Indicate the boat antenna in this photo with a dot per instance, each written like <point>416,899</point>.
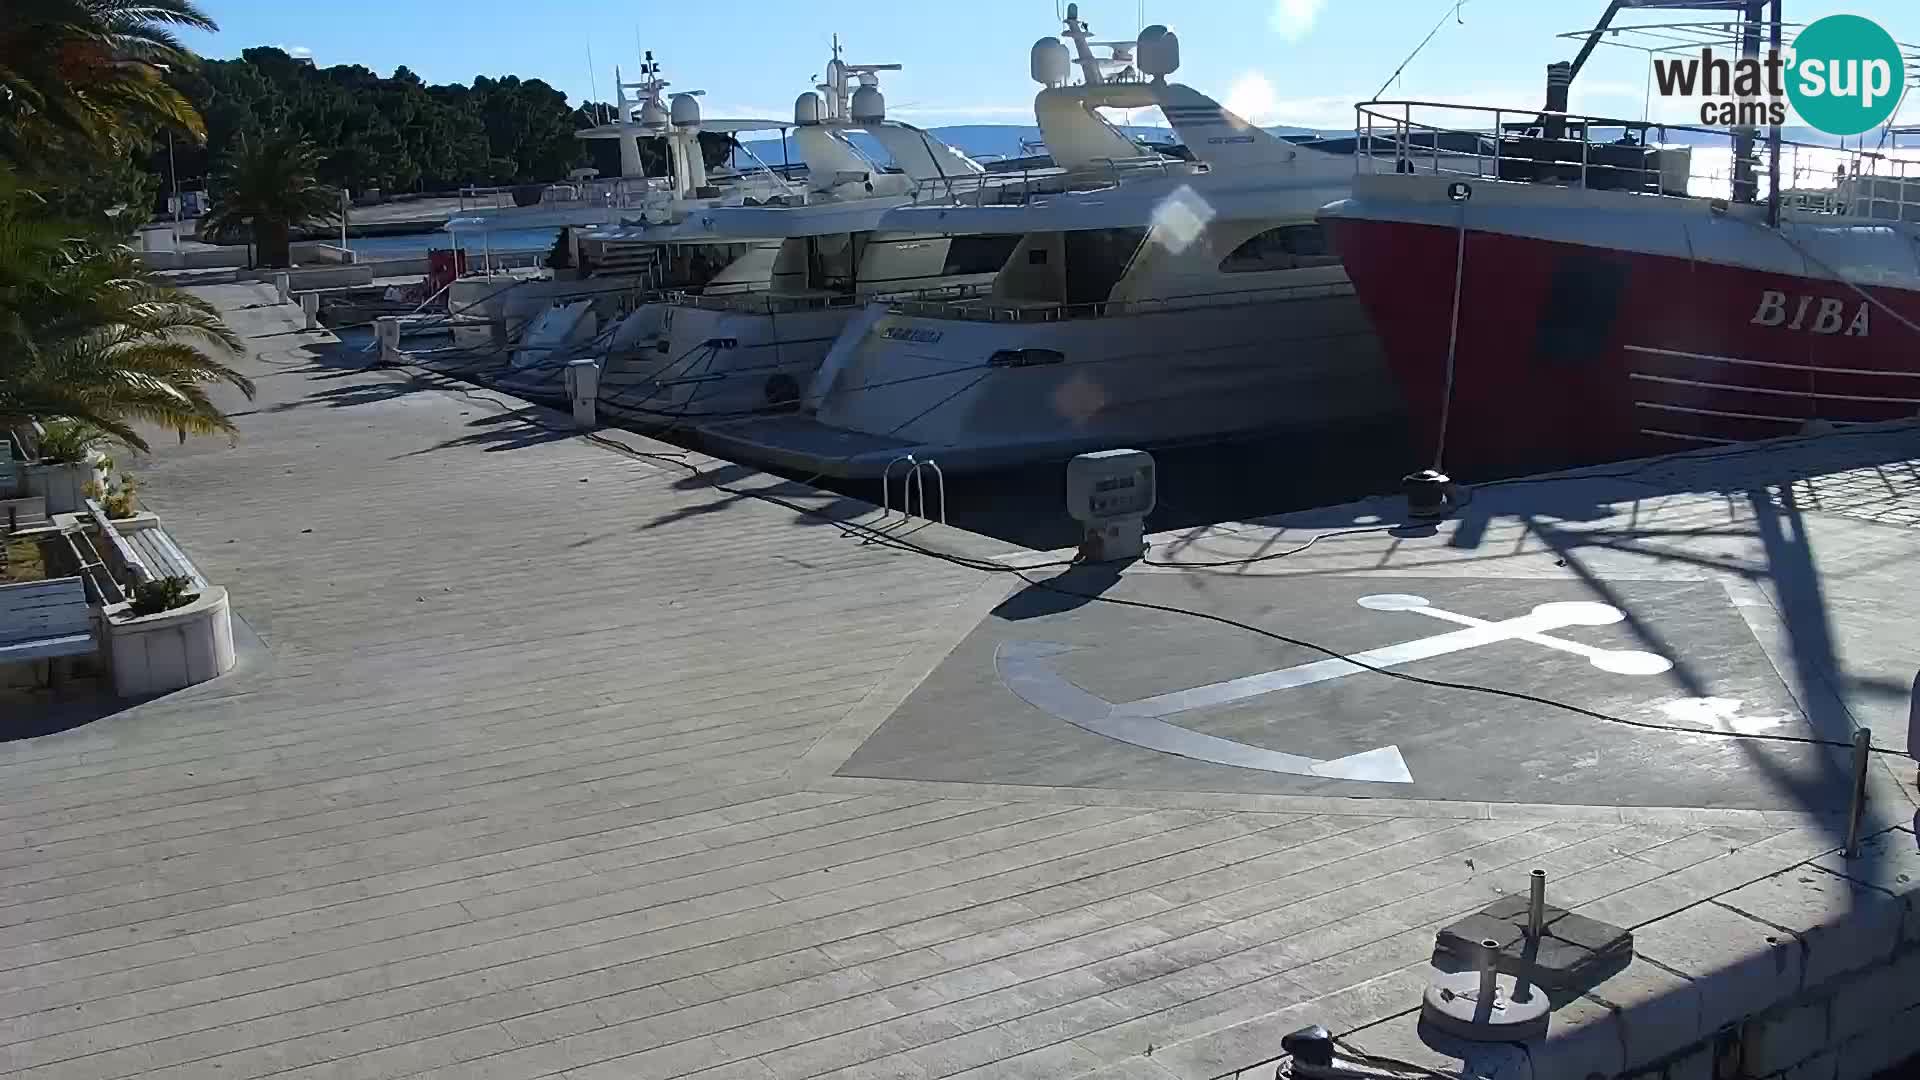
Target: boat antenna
<point>593,84</point>
<point>1453,9</point>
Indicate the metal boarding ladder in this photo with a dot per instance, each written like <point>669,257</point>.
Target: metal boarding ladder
<point>913,481</point>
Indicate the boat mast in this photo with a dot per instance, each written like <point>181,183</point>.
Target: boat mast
<point>1079,33</point>
<point>1773,139</point>
<point>1745,187</point>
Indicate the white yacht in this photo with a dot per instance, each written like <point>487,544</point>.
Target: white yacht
<point>1163,306</point>
<point>686,173</point>
<point>648,236</point>
<point>724,354</point>
<point>615,228</point>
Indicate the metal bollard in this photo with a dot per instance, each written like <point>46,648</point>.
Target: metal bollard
<point>1536,929</point>
<point>1489,981</point>
<point>310,307</point>
<point>1537,905</point>
<point>283,285</point>
<point>1913,720</point>
<point>1862,753</point>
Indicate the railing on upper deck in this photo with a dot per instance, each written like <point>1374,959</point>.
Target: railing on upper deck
<point>1018,189</point>
<point>988,311</point>
<point>758,303</point>
<point>626,192</point>
<point>1603,153</point>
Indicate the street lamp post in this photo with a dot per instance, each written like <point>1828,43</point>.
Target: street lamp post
<point>173,172</point>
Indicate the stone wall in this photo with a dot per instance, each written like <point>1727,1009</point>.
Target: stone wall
<point>1820,978</point>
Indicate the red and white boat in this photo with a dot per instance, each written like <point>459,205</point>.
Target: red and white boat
<point>1575,293</point>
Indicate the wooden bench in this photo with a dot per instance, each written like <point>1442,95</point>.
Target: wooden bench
<point>43,620</point>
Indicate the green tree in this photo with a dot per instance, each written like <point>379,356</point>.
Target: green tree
<point>395,133</point>
<point>270,184</point>
<point>93,71</point>
<point>86,335</point>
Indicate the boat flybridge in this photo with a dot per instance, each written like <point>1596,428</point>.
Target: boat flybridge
<point>732,351</point>
<point>1139,307</point>
<point>711,241</point>
<point>665,129</point>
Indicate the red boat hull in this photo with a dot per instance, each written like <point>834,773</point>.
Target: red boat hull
<point>1574,354</point>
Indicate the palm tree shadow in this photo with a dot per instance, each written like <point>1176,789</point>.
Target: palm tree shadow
<point>516,430</point>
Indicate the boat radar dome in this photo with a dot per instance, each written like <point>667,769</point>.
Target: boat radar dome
<point>686,111</point>
<point>1049,62</point>
<point>869,105</point>
<point>1159,50</point>
<point>653,114</point>
<point>806,109</point>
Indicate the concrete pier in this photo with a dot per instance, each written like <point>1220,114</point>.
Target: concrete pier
<point>562,761</point>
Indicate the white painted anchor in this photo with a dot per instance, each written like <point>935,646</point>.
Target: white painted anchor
<point>1024,669</point>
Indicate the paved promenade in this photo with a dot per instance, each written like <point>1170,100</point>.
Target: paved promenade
<point>556,761</point>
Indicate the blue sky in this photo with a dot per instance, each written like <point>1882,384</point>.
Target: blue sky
<point>1279,61</point>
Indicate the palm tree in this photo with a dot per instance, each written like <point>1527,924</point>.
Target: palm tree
<point>92,69</point>
<point>271,180</point>
<point>86,335</point>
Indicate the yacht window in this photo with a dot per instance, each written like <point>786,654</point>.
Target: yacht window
<point>691,266</point>
<point>833,261</point>
<point>1288,247</point>
<point>979,254</point>
<point>1096,261</point>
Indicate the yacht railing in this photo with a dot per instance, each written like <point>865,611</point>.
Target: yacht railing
<point>627,192</point>
<point>976,311</point>
<point>1603,153</point>
<point>762,303</point>
<point>1018,189</point>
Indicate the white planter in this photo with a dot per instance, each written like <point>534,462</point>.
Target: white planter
<point>64,486</point>
<point>156,654</point>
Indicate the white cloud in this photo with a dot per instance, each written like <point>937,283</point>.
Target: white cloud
<point>1293,19</point>
<point>300,52</point>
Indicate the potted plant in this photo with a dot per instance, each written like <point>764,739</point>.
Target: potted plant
<point>162,594</point>
<point>69,461</point>
<point>119,500</point>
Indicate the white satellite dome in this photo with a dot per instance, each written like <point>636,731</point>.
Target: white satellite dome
<point>652,114</point>
<point>869,105</point>
<point>806,109</point>
<point>1159,50</point>
<point>1049,63</point>
<point>686,110</point>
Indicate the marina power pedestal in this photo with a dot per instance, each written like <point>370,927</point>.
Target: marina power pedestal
<point>583,389</point>
<point>1110,493</point>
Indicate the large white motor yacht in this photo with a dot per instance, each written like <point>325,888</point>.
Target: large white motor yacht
<point>723,353</point>
<point>1162,307</point>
